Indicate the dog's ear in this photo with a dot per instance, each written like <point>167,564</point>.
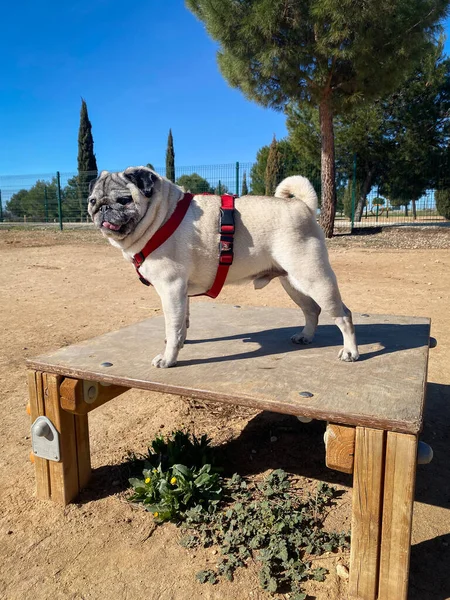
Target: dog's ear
<point>142,178</point>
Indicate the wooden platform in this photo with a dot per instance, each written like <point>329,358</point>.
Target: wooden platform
<point>244,356</point>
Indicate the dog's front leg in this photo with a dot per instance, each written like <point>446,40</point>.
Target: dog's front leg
<point>174,300</point>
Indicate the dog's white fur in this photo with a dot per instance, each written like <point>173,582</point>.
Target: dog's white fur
<point>275,237</point>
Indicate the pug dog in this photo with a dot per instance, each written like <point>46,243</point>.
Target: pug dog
<point>274,237</point>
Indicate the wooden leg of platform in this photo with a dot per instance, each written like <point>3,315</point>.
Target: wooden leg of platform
<point>60,481</point>
<point>383,496</point>
<point>366,513</point>
<point>63,474</point>
<point>37,409</point>
<point>399,483</point>
<point>83,450</point>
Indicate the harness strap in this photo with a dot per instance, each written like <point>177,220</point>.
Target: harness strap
<point>163,234</point>
<point>226,230</point>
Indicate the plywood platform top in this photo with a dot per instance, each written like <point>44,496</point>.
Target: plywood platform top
<point>243,355</point>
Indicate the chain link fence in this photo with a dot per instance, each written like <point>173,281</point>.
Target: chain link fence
<point>61,198</point>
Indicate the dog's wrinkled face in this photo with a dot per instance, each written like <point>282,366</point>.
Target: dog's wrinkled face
<point>118,201</point>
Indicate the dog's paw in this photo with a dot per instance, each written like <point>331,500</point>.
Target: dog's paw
<point>348,356</point>
<point>301,338</point>
<point>161,363</point>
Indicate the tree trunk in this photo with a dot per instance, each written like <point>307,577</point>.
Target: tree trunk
<point>328,207</point>
<point>363,195</point>
<point>414,210</point>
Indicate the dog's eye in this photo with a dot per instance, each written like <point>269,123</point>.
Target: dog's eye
<point>124,200</point>
<point>92,201</point>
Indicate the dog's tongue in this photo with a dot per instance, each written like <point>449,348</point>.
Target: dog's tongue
<point>111,226</point>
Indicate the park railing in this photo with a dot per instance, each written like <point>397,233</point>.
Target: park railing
<point>380,212</point>
<point>60,198</point>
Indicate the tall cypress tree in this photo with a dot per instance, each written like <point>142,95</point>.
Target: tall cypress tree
<point>273,167</point>
<point>244,185</point>
<point>87,163</point>
<point>170,158</point>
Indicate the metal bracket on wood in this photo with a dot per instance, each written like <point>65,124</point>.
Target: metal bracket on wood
<point>45,439</point>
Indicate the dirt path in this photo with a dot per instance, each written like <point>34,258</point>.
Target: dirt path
<point>57,289</point>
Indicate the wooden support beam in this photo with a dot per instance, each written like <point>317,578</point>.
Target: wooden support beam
<point>340,447</point>
<point>399,483</point>
<point>37,409</point>
<point>80,397</point>
<point>64,474</point>
<point>59,481</point>
<point>366,513</point>
<point>83,450</point>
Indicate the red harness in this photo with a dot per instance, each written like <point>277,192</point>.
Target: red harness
<point>226,230</point>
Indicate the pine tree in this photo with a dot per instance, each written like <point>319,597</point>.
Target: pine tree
<point>273,167</point>
<point>331,54</point>
<point>170,158</point>
<point>87,163</point>
<point>244,185</point>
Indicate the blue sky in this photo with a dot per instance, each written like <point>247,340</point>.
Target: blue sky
<point>142,67</point>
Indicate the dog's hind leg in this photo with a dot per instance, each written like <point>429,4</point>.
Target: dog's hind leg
<point>321,286</point>
<point>310,309</point>
<point>349,353</point>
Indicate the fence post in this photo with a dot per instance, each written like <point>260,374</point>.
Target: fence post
<point>237,179</point>
<point>220,188</point>
<point>1,208</point>
<point>353,190</point>
<point>45,205</point>
<point>58,187</point>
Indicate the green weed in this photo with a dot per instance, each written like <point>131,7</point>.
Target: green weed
<point>269,522</point>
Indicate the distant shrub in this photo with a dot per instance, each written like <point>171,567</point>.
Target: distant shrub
<point>442,198</point>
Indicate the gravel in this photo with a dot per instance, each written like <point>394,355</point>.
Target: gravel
<point>404,238</point>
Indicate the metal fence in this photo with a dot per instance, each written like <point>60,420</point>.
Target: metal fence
<point>380,212</point>
<point>60,198</point>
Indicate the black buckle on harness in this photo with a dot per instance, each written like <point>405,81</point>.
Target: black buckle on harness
<point>144,281</point>
<point>226,220</point>
<point>226,250</point>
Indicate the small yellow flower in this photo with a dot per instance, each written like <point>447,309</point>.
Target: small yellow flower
<point>147,480</point>
<point>173,480</point>
<point>155,514</point>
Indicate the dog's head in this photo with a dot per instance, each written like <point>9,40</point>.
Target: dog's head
<point>118,201</point>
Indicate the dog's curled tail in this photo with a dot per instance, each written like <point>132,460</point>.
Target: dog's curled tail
<point>299,187</point>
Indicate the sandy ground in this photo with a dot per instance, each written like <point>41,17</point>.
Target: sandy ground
<point>61,288</point>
